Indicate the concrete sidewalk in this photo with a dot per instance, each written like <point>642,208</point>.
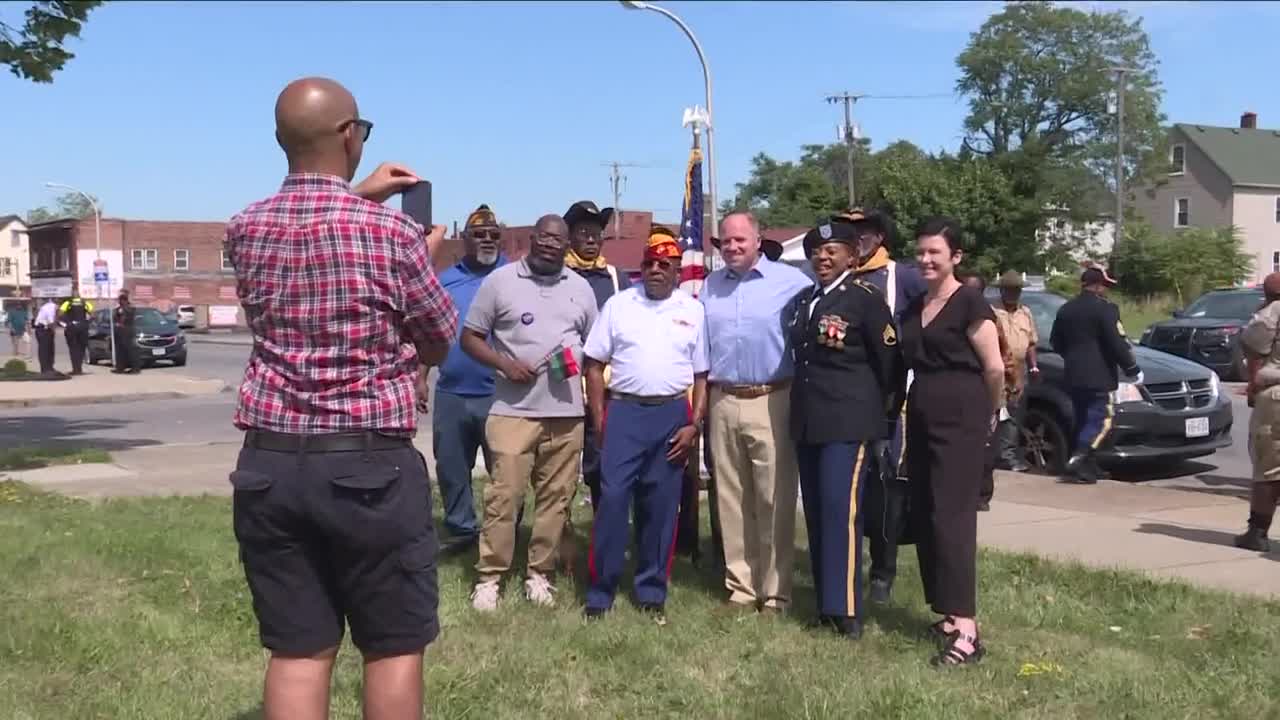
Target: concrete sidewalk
<point>242,339</point>
<point>100,385</point>
<point>1182,533</point>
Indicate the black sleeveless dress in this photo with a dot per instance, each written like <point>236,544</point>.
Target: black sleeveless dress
<point>948,423</point>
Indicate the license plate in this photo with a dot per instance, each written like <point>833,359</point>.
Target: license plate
<point>160,351</point>
<point>1197,427</point>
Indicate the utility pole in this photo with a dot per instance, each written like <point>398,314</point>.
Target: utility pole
<point>1120,72</point>
<point>850,137</point>
<point>616,181</point>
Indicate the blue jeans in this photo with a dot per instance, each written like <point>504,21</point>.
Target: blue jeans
<point>457,432</point>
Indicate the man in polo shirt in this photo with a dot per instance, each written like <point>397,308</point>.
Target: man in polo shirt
<point>528,321</point>
<point>464,389</point>
<point>655,339</point>
<point>749,416</point>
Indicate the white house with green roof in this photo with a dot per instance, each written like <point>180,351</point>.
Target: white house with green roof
<point>1221,176</point>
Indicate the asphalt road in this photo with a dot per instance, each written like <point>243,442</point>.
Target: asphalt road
<point>208,419</point>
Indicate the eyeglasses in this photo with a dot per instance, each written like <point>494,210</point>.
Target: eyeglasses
<point>364,125</point>
<point>660,263</point>
<point>548,238</point>
<point>485,234</point>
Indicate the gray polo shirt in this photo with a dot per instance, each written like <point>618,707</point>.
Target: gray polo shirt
<point>528,316</point>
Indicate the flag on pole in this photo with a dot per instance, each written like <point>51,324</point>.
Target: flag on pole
<point>692,270</point>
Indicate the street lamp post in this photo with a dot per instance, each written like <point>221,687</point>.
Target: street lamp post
<point>97,245</point>
<point>710,124</point>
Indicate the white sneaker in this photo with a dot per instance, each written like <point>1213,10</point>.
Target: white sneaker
<point>539,590</point>
<point>485,597</point>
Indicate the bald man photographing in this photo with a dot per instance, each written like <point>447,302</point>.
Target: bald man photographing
<point>332,507</point>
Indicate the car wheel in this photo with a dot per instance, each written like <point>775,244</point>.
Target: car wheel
<point>180,360</point>
<point>1044,441</point>
<point>1238,371</point>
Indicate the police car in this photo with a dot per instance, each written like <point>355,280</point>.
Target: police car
<point>158,337</point>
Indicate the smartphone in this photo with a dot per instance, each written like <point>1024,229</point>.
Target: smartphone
<point>415,202</point>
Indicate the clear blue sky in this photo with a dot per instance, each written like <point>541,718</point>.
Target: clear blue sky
<point>166,111</point>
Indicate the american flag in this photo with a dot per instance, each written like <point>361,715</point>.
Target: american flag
<point>691,268</point>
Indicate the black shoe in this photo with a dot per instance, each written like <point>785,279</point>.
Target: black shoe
<point>849,627</point>
<point>594,613</point>
<point>1019,467</point>
<point>1079,480</point>
<point>657,611</point>
<point>459,544</point>
<point>984,506</point>
<point>1253,539</point>
<point>1074,463</point>
<point>880,591</point>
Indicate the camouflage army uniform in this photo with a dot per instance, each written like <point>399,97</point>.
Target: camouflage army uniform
<point>1260,345</point>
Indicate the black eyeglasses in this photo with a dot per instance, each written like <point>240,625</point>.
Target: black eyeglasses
<point>660,263</point>
<point>486,234</point>
<point>360,123</point>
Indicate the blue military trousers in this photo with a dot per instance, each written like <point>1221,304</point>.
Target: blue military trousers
<point>634,467</point>
<point>831,483</point>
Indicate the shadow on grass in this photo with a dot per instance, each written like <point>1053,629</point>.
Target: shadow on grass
<point>254,714</point>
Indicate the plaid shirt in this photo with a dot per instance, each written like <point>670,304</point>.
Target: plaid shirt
<point>337,291</point>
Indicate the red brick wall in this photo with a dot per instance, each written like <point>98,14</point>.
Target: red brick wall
<point>204,281</point>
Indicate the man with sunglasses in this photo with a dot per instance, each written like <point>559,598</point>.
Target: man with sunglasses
<point>656,340</point>
<point>331,501</point>
<point>886,489</point>
<point>464,388</point>
<point>528,321</point>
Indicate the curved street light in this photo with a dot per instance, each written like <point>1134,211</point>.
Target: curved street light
<point>706,76</point>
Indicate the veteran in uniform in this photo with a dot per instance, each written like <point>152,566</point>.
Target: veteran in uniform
<point>655,340</point>
<point>845,402</point>
<point>1088,335</point>
<point>1259,343</point>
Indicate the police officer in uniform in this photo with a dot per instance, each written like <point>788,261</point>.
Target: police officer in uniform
<point>1088,335</point>
<point>845,402</point>
<point>75,323</point>
<point>887,496</point>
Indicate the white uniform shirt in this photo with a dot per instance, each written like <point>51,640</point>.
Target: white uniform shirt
<point>48,315</point>
<point>653,347</point>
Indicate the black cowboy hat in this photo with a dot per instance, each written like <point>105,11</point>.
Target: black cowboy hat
<point>584,210</point>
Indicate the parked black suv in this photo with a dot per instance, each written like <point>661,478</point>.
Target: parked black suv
<point>1178,412</point>
<point>1208,330</point>
<point>159,337</point>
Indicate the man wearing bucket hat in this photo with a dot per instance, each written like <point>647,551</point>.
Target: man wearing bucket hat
<point>1018,327</point>
<point>1088,335</point>
<point>886,496</point>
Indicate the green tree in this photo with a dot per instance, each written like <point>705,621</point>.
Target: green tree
<point>36,50</point>
<point>801,192</point>
<point>1199,259</point>
<point>1038,81</point>
<point>67,205</point>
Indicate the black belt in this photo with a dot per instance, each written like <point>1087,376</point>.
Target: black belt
<point>647,399</point>
<point>329,442</point>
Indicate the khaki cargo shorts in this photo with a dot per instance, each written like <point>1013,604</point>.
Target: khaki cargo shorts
<point>1264,435</point>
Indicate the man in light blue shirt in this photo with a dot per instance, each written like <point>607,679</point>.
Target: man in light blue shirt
<point>753,458</point>
<point>464,388</point>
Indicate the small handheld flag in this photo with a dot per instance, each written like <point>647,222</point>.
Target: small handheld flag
<point>561,364</point>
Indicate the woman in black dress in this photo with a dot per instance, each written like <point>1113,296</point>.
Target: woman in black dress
<point>949,340</point>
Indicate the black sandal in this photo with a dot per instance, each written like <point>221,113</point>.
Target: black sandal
<point>952,655</point>
<point>938,630</point>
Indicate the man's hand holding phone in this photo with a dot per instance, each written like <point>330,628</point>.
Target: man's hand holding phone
<point>386,180</point>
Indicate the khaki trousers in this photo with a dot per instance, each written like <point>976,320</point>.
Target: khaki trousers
<point>756,487</point>
<point>1264,435</point>
<point>546,451</point>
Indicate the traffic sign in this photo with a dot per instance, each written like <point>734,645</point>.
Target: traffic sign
<point>100,271</point>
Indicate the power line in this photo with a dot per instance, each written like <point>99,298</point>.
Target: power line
<point>616,181</point>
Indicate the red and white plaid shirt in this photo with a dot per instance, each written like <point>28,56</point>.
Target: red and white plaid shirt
<point>337,291</point>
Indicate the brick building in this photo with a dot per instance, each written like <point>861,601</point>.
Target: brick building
<point>161,264</point>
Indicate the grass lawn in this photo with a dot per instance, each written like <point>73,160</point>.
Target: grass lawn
<point>137,609</point>
<point>1137,314</point>
<point>38,457</point>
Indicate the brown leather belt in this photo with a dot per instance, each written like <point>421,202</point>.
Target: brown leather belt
<point>328,442</point>
<point>751,392</point>
<point>647,399</point>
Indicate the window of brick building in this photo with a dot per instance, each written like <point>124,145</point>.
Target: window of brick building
<point>144,259</point>
<point>181,260</point>
<point>226,262</point>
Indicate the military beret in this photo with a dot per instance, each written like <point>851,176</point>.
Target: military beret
<point>841,232</point>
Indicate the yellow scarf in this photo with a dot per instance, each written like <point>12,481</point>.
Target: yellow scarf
<point>878,259</point>
<point>575,262</point>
